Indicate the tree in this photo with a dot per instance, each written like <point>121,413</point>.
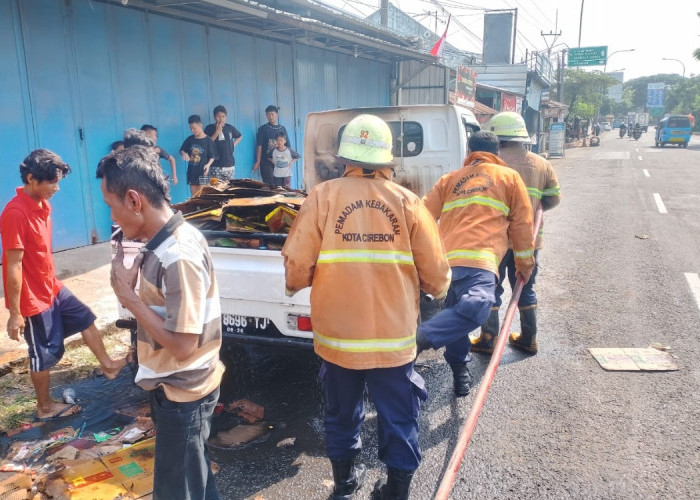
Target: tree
<point>684,98</point>
<point>585,91</point>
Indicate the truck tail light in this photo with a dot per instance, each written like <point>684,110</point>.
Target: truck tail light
<point>304,323</point>
<point>301,323</point>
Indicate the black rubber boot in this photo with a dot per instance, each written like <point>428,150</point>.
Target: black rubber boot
<point>395,487</point>
<point>348,479</point>
<point>489,333</point>
<point>527,339</point>
<point>462,378</point>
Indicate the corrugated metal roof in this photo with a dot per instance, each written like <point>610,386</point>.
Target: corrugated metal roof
<point>294,21</point>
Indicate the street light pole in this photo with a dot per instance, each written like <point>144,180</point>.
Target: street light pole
<point>677,60</point>
<point>605,67</point>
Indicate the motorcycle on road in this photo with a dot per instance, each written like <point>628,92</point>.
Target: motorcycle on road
<point>637,132</point>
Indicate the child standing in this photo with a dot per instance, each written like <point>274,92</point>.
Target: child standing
<point>282,158</point>
<point>199,153</point>
<point>152,132</point>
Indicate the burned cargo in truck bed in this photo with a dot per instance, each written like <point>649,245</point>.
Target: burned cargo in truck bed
<point>243,213</point>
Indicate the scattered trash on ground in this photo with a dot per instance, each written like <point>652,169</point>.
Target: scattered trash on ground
<point>247,410</point>
<point>50,463</point>
<point>287,442</point>
<point>633,359</point>
<point>240,435</point>
<point>642,236</point>
<point>69,396</point>
<point>300,460</point>
<point>660,347</point>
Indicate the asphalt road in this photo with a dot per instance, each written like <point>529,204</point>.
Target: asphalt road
<point>555,425</point>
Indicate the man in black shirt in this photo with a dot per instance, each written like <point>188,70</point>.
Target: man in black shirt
<point>199,153</point>
<point>225,137</point>
<point>266,142</point>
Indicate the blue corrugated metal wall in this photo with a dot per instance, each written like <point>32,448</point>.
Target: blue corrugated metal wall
<point>75,74</point>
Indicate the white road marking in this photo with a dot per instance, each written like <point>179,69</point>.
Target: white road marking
<point>612,155</point>
<point>660,204</point>
<point>646,172</point>
<point>694,283</point>
<point>639,157</point>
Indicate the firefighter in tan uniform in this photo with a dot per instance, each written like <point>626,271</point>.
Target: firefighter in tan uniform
<point>543,187</point>
<point>366,246</point>
<point>479,206</point>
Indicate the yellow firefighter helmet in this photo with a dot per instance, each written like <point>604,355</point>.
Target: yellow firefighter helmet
<point>366,142</point>
<point>508,126</point>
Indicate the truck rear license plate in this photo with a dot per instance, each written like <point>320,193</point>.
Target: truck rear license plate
<point>243,325</point>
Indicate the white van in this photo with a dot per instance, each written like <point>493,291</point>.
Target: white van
<point>429,141</point>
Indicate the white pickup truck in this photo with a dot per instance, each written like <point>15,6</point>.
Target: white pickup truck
<point>429,140</point>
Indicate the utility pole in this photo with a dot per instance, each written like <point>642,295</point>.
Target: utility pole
<point>580,25</point>
<point>560,75</point>
<point>515,35</point>
<point>553,34</point>
<point>550,45</point>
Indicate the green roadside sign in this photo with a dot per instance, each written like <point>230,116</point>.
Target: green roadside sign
<point>588,56</point>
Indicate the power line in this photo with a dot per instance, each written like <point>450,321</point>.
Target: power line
<point>534,2</point>
<point>457,21</point>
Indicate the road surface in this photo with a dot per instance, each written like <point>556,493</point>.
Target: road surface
<point>619,269</point>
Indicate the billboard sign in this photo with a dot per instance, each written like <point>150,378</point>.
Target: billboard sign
<point>557,135</point>
<point>508,102</point>
<point>588,56</point>
<point>655,95</point>
<point>616,91</point>
<point>465,91</point>
<point>498,36</point>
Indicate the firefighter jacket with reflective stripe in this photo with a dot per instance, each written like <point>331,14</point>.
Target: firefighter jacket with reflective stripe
<point>539,177</point>
<point>365,245</point>
<point>479,206</point>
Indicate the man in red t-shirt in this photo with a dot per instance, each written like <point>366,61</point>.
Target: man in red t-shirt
<point>39,304</point>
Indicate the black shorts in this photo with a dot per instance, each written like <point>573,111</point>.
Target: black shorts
<point>45,332</point>
<point>195,176</point>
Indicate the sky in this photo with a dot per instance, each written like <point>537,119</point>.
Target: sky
<point>654,29</point>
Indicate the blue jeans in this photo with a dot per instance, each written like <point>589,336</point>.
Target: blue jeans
<point>182,467</point>
<point>396,392</point>
<point>467,306</point>
<point>507,266</point>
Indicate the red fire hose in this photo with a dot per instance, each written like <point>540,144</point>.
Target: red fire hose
<point>466,434</point>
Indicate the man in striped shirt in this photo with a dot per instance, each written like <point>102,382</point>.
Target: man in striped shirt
<point>178,314</point>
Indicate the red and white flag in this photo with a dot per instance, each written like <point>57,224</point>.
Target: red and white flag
<point>440,44</point>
